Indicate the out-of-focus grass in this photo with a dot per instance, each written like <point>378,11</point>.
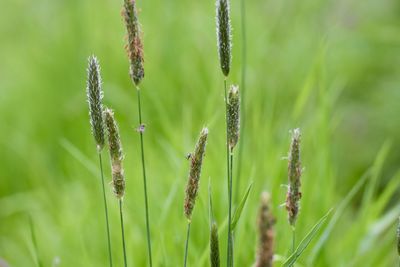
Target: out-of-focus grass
<point>329,67</point>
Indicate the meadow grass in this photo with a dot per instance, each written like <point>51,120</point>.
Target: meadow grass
<point>327,67</point>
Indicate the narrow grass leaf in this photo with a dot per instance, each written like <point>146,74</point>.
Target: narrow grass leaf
<point>239,209</point>
<point>306,241</point>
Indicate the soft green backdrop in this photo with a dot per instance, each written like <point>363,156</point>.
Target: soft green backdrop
<point>331,68</point>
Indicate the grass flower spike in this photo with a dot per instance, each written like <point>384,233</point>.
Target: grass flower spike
<point>224,35</point>
<point>294,175</point>
<point>265,223</point>
<point>95,96</point>
<point>116,154</point>
<point>134,47</point>
<point>214,246</point>
<point>233,116</point>
<point>196,160</point>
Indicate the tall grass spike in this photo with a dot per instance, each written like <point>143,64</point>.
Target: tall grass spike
<point>265,222</point>
<point>214,246</point>
<point>294,174</point>
<point>95,95</point>
<point>116,154</point>
<point>233,115</point>
<point>224,37</point>
<point>196,161</point>
<point>134,47</point>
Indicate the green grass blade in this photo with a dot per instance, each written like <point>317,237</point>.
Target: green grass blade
<point>239,209</point>
<point>306,241</point>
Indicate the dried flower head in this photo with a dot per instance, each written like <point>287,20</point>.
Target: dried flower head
<point>233,116</point>
<point>116,154</point>
<point>266,233</point>
<point>294,175</point>
<point>95,96</point>
<point>224,35</point>
<point>214,246</point>
<point>398,238</point>
<point>196,160</point>
<point>134,47</point>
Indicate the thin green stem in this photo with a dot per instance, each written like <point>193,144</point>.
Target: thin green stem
<point>105,209</point>
<point>228,258</point>
<point>35,246</point>
<point>122,232</point>
<point>293,238</point>
<point>186,244</point>
<point>230,208</point>
<point>242,92</point>
<point>141,130</point>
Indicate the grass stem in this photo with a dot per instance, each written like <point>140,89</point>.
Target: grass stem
<point>141,130</point>
<point>293,239</point>
<point>230,208</point>
<point>105,209</point>
<point>122,232</point>
<point>186,244</point>
<point>229,181</point>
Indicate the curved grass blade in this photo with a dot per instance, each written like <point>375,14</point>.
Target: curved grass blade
<point>239,209</point>
<point>306,241</point>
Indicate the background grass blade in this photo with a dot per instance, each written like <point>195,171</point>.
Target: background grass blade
<point>239,209</point>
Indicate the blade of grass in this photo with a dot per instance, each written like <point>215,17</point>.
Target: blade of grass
<point>239,209</point>
<point>306,241</point>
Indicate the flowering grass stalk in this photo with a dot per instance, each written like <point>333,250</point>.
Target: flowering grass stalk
<point>192,187</point>
<point>294,174</point>
<point>117,170</point>
<point>134,49</point>
<point>95,96</point>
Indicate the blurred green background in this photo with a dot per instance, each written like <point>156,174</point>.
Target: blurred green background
<point>331,68</point>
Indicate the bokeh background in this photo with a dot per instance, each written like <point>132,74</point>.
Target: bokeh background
<point>331,68</point>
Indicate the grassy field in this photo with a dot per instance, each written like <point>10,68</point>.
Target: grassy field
<point>331,68</point>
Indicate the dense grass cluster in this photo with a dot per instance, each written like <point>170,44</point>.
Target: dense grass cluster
<point>310,65</point>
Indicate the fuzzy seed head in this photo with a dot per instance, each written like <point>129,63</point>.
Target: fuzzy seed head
<point>95,95</point>
<point>398,238</point>
<point>214,246</point>
<point>294,174</point>
<point>134,46</point>
<point>266,233</point>
<point>116,154</point>
<point>224,38</point>
<point>233,116</point>
<point>196,161</point>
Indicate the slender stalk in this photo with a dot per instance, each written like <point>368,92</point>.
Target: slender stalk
<point>293,239</point>
<point>122,232</point>
<point>187,244</point>
<point>35,246</point>
<point>141,130</point>
<point>229,180</point>
<point>230,208</point>
<point>243,90</point>
<point>105,209</point>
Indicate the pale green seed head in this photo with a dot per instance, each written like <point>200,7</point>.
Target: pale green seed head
<point>94,96</point>
<point>233,116</point>
<point>224,38</point>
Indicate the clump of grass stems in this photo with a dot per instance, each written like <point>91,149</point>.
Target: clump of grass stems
<point>192,187</point>
<point>134,49</point>
<point>294,174</point>
<point>224,44</point>
<point>95,95</point>
<point>266,234</point>
<point>117,170</point>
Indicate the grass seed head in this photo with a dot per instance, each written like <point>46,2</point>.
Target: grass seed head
<point>265,222</point>
<point>233,116</point>
<point>134,46</point>
<point>224,37</point>
<point>294,174</point>
<point>196,160</point>
<point>116,154</point>
<point>214,246</point>
<point>95,95</point>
